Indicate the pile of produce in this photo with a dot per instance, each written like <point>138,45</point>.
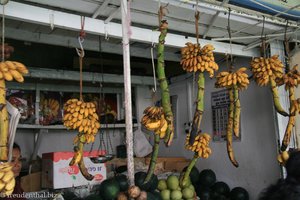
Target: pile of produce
<point>170,189</point>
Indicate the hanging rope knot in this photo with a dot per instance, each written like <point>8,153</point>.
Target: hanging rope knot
<point>82,33</point>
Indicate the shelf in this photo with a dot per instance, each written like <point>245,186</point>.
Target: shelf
<point>34,126</point>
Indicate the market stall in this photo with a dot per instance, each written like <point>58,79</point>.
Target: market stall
<point>160,99</point>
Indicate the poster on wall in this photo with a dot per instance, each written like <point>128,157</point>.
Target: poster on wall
<point>220,108</point>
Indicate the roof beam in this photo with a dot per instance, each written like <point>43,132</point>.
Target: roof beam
<point>37,15</point>
<point>86,76</point>
<point>88,44</point>
<point>272,24</point>
<point>100,8</point>
<point>213,20</point>
<point>112,15</point>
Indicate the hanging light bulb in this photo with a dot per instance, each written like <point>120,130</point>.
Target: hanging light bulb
<point>3,2</point>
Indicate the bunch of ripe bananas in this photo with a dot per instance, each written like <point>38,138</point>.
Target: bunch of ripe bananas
<point>290,79</point>
<point>83,117</point>
<point>196,59</point>
<point>154,120</point>
<point>7,179</point>
<point>50,106</point>
<point>265,69</point>
<point>200,145</point>
<point>10,70</point>
<point>283,157</point>
<point>229,79</point>
<point>295,108</point>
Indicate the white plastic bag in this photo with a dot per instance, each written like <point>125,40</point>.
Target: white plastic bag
<point>142,147</point>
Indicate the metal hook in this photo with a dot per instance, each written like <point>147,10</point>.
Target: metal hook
<point>80,51</point>
<point>106,33</point>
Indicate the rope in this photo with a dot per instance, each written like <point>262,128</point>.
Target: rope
<point>287,48</point>
<point>263,39</point>
<point>82,33</point>
<point>230,41</point>
<point>153,68</point>
<point>3,31</point>
<point>197,14</point>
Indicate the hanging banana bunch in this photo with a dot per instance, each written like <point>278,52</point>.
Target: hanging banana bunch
<point>196,59</point>
<point>268,71</point>
<point>291,80</point>
<point>7,179</point>
<point>81,116</point>
<point>201,149</point>
<point>154,120</point>
<point>234,82</point>
<point>9,71</point>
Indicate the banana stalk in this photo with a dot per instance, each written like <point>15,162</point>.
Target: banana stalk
<point>230,129</point>
<point>4,123</point>
<point>81,164</point>
<point>153,158</point>
<point>199,109</point>
<point>237,112</point>
<point>184,180</point>
<point>277,104</point>
<point>291,123</point>
<point>165,94</point>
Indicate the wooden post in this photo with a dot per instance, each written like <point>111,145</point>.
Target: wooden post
<point>127,87</point>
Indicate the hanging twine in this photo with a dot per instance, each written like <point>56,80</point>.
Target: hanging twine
<point>197,14</point>
<point>231,68</point>
<point>287,48</point>
<point>3,31</point>
<point>263,39</point>
<point>80,53</point>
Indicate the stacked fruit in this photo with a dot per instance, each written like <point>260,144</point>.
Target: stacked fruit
<point>200,145</point>
<point>290,79</point>
<point>10,70</point>
<point>7,179</point>
<point>196,59</point>
<point>154,120</point>
<point>50,107</point>
<point>265,69</point>
<point>228,79</point>
<point>170,189</point>
<point>81,116</point>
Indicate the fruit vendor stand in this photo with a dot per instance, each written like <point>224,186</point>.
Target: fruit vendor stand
<point>148,99</point>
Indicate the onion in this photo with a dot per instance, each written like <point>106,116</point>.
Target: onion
<point>134,191</point>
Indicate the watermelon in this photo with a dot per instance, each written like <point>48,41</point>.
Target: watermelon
<point>123,182</point>
<point>109,189</point>
<point>67,195</point>
<point>93,197</point>
<point>239,193</point>
<point>207,177</point>
<point>154,195</point>
<point>139,179</point>
<point>203,192</point>
<point>194,175</point>
<point>220,188</point>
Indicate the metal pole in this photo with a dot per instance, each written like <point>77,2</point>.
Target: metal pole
<point>127,88</point>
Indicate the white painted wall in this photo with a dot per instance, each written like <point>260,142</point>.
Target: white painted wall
<point>256,152</point>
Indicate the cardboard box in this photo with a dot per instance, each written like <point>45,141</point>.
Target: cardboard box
<point>31,182</point>
<point>57,173</point>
